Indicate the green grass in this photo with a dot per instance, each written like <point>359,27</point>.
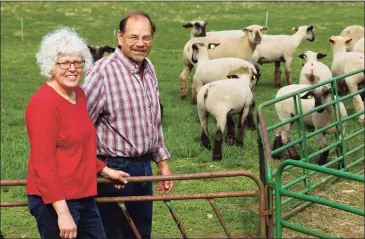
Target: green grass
<point>96,21</point>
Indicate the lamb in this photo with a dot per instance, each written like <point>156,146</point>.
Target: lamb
<point>322,117</point>
<point>97,51</point>
<point>346,62</point>
<point>355,33</point>
<point>236,47</point>
<point>313,71</point>
<point>217,69</point>
<point>281,48</point>
<point>359,45</point>
<point>223,99</point>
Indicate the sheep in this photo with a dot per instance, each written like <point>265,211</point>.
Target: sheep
<point>217,69</point>
<point>359,45</point>
<point>236,47</point>
<point>281,48</point>
<point>285,109</point>
<point>97,51</point>
<point>313,71</point>
<point>355,33</point>
<point>345,62</point>
<point>222,99</point>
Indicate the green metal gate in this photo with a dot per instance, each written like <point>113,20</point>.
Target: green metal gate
<point>304,179</point>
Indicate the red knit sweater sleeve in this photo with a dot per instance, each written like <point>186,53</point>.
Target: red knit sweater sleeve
<point>43,123</point>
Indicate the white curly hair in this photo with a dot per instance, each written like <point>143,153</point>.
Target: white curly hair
<point>61,41</point>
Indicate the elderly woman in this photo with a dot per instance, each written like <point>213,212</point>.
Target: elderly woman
<point>62,169</point>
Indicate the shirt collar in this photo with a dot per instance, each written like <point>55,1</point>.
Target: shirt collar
<point>130,65</point>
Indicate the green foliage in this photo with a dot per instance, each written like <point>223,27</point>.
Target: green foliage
<point>96,21</point>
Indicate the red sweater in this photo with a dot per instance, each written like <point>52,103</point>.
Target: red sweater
<point>62,161</point>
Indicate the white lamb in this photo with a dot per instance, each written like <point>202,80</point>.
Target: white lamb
<point>285,109</point>
<point>223,99</point>
<point>359,45</point>
<point>346,62</point>
<point>355,33</point>
<point>313,71</point>
<point>281,48</point>
<point>236,47</point>
<point>217,69</point>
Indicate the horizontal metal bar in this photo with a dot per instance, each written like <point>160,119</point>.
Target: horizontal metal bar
<point>305,230</point>
<point>135,179</point>
<point>322,201</point>
<point>157,197</point>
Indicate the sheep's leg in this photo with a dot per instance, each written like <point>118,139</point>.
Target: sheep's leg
<point>204,138</point>
<point>230,130</point>
<point>357,101</point>
<point>184,78</point>
<point>278,143</point>
<point>288,70</point>
<point>250,119</point>
<point>277,80</point>
<point>285,135</point>
<point>241,126</point>
<point>218,141</point>
<point>323,158</point>
<point>195,87</point>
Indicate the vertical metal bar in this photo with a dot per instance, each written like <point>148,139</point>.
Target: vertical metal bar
<point>130,221</point>
<point>177,220</point>
<point>220,217</point>
<point>307,181</point>
<point>278,225</point>
<point>337,109</point>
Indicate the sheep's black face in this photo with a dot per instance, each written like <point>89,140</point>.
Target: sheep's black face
<point>322,95</point>
<point>310,35</point>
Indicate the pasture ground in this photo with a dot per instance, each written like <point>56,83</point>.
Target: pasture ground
<point>96,21</point>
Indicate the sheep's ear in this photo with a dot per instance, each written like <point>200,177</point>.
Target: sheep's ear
<point>294,29</point>
<point>109,49</point>
<point>321,55</point>
<point>245,30</point>
<point>264,29</point>
<point>205,23</point>
<point>211,46</point>
<point>303,56</point>
<point>92,49</point>
<point>347,39</point>
<point>233,76</point>
<point>187,25</point>
<point>307,95</point>
<point>254,77</point>
<point>310,28</point>
<point>332,39</point>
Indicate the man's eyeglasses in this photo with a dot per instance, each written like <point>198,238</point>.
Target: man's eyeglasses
<point>67,64</point>
<point>135,39</point>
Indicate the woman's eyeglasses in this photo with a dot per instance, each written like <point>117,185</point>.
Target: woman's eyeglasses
<point>67,64</point>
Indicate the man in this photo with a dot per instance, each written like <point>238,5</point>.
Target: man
<point>123,102</point>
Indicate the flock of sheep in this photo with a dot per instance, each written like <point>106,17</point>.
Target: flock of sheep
<point>227,70</point>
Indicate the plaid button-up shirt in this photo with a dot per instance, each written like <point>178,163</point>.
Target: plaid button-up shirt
<point>123,104</point>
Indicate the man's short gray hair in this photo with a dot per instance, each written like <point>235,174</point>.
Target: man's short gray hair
<point>61,41</point>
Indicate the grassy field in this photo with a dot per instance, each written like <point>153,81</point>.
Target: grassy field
<point>96,22</point>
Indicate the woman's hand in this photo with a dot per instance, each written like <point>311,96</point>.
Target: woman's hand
<point>116,175</point>
<point>67,226</point>
<point>66,223</point>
